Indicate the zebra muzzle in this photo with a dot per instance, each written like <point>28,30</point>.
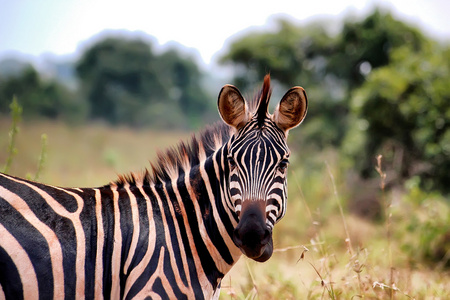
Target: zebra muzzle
<point>252,235</point>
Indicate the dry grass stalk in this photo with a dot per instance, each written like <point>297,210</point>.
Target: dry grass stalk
<point>388,217</point>
<point>348,241</point>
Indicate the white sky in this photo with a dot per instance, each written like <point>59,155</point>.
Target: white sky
<point>58,26</point>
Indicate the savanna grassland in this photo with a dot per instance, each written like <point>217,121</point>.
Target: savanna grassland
<point>324,249</point>
<point>83,155</point>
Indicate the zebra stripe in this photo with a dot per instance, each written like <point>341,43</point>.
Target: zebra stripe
<point>170,233</point>
<point>18,257</point>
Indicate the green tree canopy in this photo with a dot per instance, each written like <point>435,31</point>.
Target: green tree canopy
<point>44,98</point>
<point>403,112</point>
<point>118,78</point>
<point>125,81</point>
<point>329,67</point>
<point>291,54</point>
<point>184,77</point>
<point>365,45</point>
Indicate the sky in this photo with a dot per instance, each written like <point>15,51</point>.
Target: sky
<point>62,27</point>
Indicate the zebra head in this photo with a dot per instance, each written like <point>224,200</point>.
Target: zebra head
<point>258,158</point>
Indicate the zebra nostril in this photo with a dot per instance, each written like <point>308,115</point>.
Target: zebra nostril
<point>266,238</point>
<point>251,237</point>
<point>237,238</point>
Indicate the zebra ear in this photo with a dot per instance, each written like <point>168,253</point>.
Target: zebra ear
<point>232,107</point>
<point>292,109</point>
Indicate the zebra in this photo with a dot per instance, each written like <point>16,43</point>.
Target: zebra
<point>169,233</point>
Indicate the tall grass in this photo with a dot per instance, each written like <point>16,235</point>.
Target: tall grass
<point>333,254</point>
<point>16,116</point>
<point>388,219</point>
<point>42,156</point>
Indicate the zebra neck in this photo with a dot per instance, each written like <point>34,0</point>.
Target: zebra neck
<point>198,199</point>
<point>186,213</point>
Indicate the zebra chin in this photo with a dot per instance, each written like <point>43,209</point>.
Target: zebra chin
<point>259,252</point>
<point>265,253</point>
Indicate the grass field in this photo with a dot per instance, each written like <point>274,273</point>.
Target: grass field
<point>83,156</point>
<point>321,250</point>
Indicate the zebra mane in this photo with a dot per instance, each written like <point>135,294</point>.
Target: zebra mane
<point>260,104</point>
<point>175,160</point>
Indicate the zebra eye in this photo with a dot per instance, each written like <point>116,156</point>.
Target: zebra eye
<point>231,162</point>
<point>282,166</point>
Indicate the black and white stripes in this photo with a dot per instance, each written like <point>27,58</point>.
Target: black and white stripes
<point>171,233</point>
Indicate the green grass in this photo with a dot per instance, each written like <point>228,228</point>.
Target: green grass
<point>322,251</point>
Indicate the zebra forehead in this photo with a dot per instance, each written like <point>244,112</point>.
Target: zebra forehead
<point>268,138</point>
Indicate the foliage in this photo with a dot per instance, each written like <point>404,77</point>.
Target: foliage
<point>330,67</point>
<point>291,54</point>
<point>184,78</point>
<point>121,79</point>
<point>311,56</point>
<point>424,235</point>
<point>125,81</point>
<point>40,98</point>
<point>405,107</point>
<point>378,86</point>
<point>366,45</point>
<point>117,78</point>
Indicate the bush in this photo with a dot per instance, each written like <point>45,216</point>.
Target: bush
<point>424,229</point>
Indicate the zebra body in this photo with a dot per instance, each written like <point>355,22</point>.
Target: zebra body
<point>170,233</point>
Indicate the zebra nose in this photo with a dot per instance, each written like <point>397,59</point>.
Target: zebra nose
<point>250,237</point>
<point>252,234</point>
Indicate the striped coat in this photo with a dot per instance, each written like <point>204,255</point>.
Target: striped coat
<point>171,232</point>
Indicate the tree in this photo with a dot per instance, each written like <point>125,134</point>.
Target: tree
<point>329,67</point>
<point>118,79</point>
<point>291,54</point>
<point>38,97</point>
<point>405,113</point>
<point>365,45</point>
<point>125,81</point>
<point>182,74</point>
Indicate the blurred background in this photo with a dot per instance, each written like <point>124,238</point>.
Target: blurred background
<point>92,89</point>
